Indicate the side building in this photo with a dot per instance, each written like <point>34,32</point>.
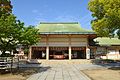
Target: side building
<point>108,48</point>
<point>63,41</point>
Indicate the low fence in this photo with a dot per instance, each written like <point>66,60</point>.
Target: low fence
<point>8,63</point>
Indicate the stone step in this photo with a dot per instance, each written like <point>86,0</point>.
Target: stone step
<point>81,61</point>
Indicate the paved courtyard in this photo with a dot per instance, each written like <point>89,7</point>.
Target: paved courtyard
<point>59,71</point>
<point>64,70</point>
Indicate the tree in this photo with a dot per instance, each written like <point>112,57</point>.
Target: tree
<point>106,14</point>
<point>5,7</point>
<point>13,33</point>
<point>29,36</point>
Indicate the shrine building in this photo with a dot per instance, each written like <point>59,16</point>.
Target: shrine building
<point>63,41</point>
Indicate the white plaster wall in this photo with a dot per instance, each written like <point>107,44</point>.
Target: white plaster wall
<point>112,53</point>
<point>119,56</point>
<point>104,57</point>
<point>58,39</point>
<point>79,39</point>
<point>58,44</point>
<point>78,44</point>
<point>61,41</point>
<point>112,56</point>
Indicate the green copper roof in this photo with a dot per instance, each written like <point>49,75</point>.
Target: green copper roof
<point>62,28</point>
<point>105,41</point>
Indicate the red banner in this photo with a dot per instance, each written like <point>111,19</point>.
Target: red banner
<point>78,48</point>
<point>38,48</point>
<point>58,48</point>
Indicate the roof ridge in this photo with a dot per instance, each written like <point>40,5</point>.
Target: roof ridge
<point>59,23</point>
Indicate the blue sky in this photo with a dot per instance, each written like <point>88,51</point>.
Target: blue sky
<point>32,12</point>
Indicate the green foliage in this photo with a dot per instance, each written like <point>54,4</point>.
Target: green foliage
<point>29,36</point>
<point>13,33</point>
<point>5,7</point>
<point>106,15</point>
<point>9,32</point>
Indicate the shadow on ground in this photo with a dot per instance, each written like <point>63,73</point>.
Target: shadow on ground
<point>27,69</point>
<point>114,68</point>
<point>109,64</point>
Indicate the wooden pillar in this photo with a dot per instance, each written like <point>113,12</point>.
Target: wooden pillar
<point>47,53</point>
<point>117,53</point>
<point>87,48</point>
<point>30,53</point>
<point>87,53</point>
<point>47,47</point>
<point>69,52</point>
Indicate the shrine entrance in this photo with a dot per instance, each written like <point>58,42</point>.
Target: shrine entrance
<point>78,53</point>
<point>58,53</point>
<point>39,52</point>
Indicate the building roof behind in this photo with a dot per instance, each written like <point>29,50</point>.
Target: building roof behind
<point>62,28</point>
<point>105,41</point>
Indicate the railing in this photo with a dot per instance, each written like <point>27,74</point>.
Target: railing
<point>7,63</point>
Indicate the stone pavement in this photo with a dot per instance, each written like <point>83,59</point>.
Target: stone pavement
<point>59,71</point>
